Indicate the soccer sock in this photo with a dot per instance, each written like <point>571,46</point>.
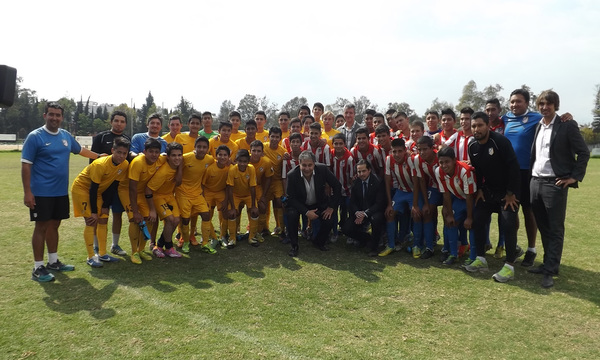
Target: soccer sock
<point>205,227</point>
<point>116,238</point>
<point>52,258</point>
<point>213,234</point>
<point>429,234</point>
<point>267,216</point>
<point>232,225</point>
<point>161,241</point>
<point>253,226</point>
<point>185,233</point>
<point>37,264</point>
<point>532,249</point>
<point>193,224</point>
<point>262,222</point>
<point>223,224</point>
<point>101,233</point>
<point>134,237</point>
<point>88,237</point>
<point>391,233</point>
<point>168,245</point>
<point>278,212</point>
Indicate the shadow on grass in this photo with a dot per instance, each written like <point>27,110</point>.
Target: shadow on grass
<point>72,295</point>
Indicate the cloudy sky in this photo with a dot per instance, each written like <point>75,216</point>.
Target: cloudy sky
<point>210,51</point>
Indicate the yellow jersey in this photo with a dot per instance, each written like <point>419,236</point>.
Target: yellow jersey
<point>276,157</point>
<point>215,142</point>
<point>241,181</point>
<point>193,172</point>
<point>168,138</point>
<point>142,172</point>
<point>236,136</point>
<point>263,136</point>
<point>186,141</point>
<point>215,178</point>
<point>263,169</point>
<point>162,182</point>
<point>103,172</point>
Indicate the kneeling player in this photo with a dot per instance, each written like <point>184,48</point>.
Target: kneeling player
<point>93,190</point>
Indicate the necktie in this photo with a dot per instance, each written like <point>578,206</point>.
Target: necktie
<point>365,191</point>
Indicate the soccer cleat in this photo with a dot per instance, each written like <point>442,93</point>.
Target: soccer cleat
<point>232,243</point>
<point>416,252</point>
<point>504,274</point>
<point>476,266</point>
<point>450,260</point>
<point>427,254</point>
<point>260,237</point>
<point>528,259</point>
<point>59,266</point>
<point>107,258</point>
<point>499,253</point>
<point>519,252</point>
<point>467,262</point>
<point>116,249</point>
<point>488,247</point>
<point>208,249</point>
<point>388,250</point>
<point>172,253</point>
<point>444,255</point>
<point>224,243</point>
<point>253,242</point>
<point>333,239</point>
<point>158,252</point>
<point>180,243</point>
<point>185,248</point>
<point>94,262</point>
<point>193,240</point>
<point>135,258</point>
<point>41,274</point>
<point>277,231</point>
<point>144,256</point>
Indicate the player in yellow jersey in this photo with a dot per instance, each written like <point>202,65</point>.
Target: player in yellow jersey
<point>224,138</point>
<point>275,153</point>
<point>159,192</point>
<point>132,196</point>
<point>93,190</point>
<point>241,191</point>
<point>236,120</point>
<point>328,130</point>
<point>284,124</point>
<point>261,119</point>
<point>245,142</point>
<point>214,183</point>
<point>189,195</point>
<point>264,175</point>
<point>188,140</point>
<point>174,128</point>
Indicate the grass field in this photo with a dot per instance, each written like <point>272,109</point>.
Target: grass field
<point>257,303</point>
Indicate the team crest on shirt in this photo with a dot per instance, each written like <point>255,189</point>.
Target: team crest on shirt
<point>260,169</point>
<point>369,157</point>
<point>491,151</point>
<point>278,157</point>
<point>65,143</point>
<point>119,171</point>
<point>525,119</point>
<point>247,176</point>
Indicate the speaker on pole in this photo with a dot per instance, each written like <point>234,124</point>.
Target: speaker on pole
<point>8,84</point>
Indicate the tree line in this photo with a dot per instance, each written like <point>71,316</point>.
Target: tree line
<point>84,118</point>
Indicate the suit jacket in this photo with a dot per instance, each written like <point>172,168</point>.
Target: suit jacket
<point>296,190</point>
<point>375,197</point>
<point>565,142</point>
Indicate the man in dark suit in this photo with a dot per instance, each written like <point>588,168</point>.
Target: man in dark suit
<point>559,158</point>
<point>307,195</point>
<point>367,205</point>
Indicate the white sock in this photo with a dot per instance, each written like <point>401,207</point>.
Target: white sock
<point>512,268</point>
<point>482,259</point>
<point>37,264</point>
<point>531,250</point>
<point>52,258</point>
<point>116,239</point>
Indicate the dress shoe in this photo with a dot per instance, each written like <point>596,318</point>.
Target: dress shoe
<point>548,281</point>
<point>536,270</point>
<point>293,252</point>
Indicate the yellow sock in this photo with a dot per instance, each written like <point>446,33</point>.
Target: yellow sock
<point>88,237</point>
<point>193,224</point>
<point>267,216</point>
<point>262,222</point>
<point>185,233</point>
<point>232,227</point>
<point>101,234</point>
<point>278,217</point>
<point>253,225</point>
<point>205,227</point>
<point>134,236</point>
<point>223,224</point>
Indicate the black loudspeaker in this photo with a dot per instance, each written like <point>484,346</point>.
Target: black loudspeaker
<point>8,84</point>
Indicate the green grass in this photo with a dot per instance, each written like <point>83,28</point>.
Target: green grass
<point>257,303</point>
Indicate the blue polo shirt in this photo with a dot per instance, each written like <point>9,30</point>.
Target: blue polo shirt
<point>49,155</point>
<point>520,130</point>
<point>138,141</point>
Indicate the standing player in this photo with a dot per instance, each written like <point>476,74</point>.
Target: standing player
<point>316,146</point>
<point>284,123</point>
<point>93,191</point>
<point>261,120</point>
<point>103,144</point>
<point>241,191</point>
<point>492,109</point>
<point>432,119</point>
<point>224,138</point>
<point>295,128</point>
<point>207,130</point>
<point>154,124</point>
<point>244,143</point>
<point>175,126</point>
<point>328,130</point>
<point>275,153</point>
<point>366,150</point>
<point>45,177</point>
<point>264,175</point>
<point>160,192</point>
<point>318,110</point>
<point>416,131</point>
<point>403,125</point>
<point>343,168</point>
<point>188,140</point>
<point>236,121</point>
<point>448,122</point>
<point>214,183</point>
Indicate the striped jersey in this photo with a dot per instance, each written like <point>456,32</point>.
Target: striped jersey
<point>344,169</point>
<point>322,153</point>
<point>401,173</point>
<point>460,143</point>
<point>460,184</point>
<point>426,171</point>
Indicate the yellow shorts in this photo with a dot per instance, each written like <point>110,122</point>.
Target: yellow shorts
<point>214,198</point>
<point>275,190</point>
<point>81,206</point>
<point>165,206</point>
<point>241,201</point>
<point>189,206</point>
<point>142,204</point>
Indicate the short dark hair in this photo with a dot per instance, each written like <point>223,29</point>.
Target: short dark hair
<point>370,112</point>
<point>338,136</point>
<point>194,116</point>
<point>450,112</point>
<point>467,110</point>
<point>223,148</point>
<point>207,113</point>
<point>400,113</point>
<point>252,123</point>
<point>151,143</point>
<point>319,105</point>
<point>201,139</point>
<point>223,124</point>
<point>364,162</point>
<point>174,146</point>
<point>257,143</point>
<point>432,112</point>
<point>390,111</point>
<point>154,116</point>
<point>304,107</point>
<point>315,126</point>
<point>307,117</point>
<point>481,115</point>
<point>494,102</point>
<point>362,130</point>
<point>295,136</point>
<point>399,142</point>
<point>235,113</point>
<point>339,116</point>
<point>121,141</point>
<point>275,130</point>
<point>524,93</point>
<point>174,117</point>
<point>419,124</point>
<point>284,113</point>
<point>54,105</point>
<point>242,153</point>
<point>447,151</point>
<point>260,112</point>
<point>118,113</point>
<point>425,140</point>
<point>380,115</point>
<point>550,96</point>
<point>382,129</point>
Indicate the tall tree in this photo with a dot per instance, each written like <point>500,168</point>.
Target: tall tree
<point>226,107</point>
<point>338,106</point>
<point>404,107</point>
<point>270,109</point>
<point>148,108</point>
<point>248,106</point>
<point>362,103</point>
<point>439,105</point>
<point>184,109</point>
<point>596,111</point>
<point>471,97</point>
<point>293,105</point>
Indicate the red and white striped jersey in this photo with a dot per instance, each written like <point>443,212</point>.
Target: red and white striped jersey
<point>344,169</point>
<point>460,143</point>
<point>460,184</point>
<point>499,128</point>
<point>443,138</point>
<point>322,153</point>
<point>383,153</point>
<point>371,155</point>
<point>426,171</point>
<point>373,138</point>
<point>411,146</point>
<point>286,143</point>
<point>401,173</point>
<point>288,165</point>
